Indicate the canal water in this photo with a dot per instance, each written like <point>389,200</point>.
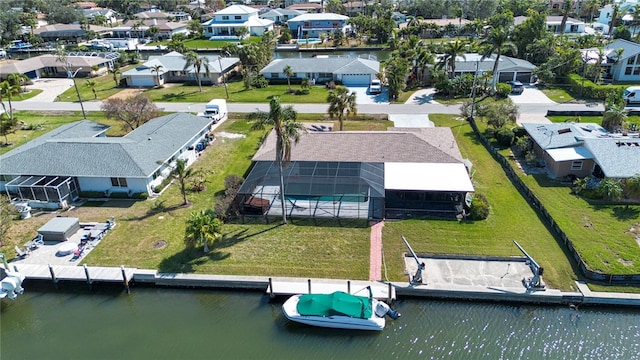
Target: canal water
<point>160,323</point>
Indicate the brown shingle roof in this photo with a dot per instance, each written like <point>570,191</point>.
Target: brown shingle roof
<point>432,145</point>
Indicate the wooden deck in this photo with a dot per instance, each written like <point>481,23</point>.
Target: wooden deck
<point>75,273</point>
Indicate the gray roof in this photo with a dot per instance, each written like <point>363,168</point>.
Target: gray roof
<point>506,63</point>
<point>42,61</point>
<point>72,151</point>
<point>629,49</point>
<point>331,64</point>
<point>618,156</point>
<point>319,17</point>
<point>281,12</point>
<point>421,145</point>
<point>174,61</point>
<point>558,135</point>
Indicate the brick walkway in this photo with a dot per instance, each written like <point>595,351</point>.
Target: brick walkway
<point>375,252</point>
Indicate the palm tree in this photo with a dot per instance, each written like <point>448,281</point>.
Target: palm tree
<point>568,5</point>
<point>614,117</point>
<point>115,72</point>
<point>92,85</point>
<point>423,58</point>
<point>8,91</point>
<point>340,101</point>
<point>591,7</point>
<point>497,43</point>
<point>182,173</point>
<point>203,228</point>
<point>156,69</point>
<point>288,72</point>
<point>193,60</point>
<point>283,120</point>
<point>451,52</point>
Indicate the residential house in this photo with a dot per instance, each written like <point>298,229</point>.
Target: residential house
<point>553,23</point>
<point>355,8</point>
<point>83,64</point>
<point>171,70</point>
<point>509,68</point>
<point>225,22</point>
<point>361,175</point>
<point>436,27</point>
<point>177,16</point>
<point>312,25</point>
<point>69,33</point>
<point>343,70</point>
<point>54,169</point>
<point>109,14</point>
<point>576,150</point>
<point>280,16</point>
<point>626,67</point>
<point>625,8</point>
<point>288,3</point>
<point>309,7</point>
<point>140,28</point>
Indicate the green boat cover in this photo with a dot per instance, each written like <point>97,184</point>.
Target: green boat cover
<point>337,303</point>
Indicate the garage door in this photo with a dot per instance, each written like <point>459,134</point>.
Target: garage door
<point>356,79</point>
<point>505,76</point>
<point>142,81</point>
<point>524,77</point>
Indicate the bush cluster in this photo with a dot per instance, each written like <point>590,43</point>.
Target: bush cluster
<point>479,207</point>
<point>226,206</point>
<point>587,89</point>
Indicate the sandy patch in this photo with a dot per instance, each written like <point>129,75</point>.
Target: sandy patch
<point>230,135</point>
<point>126,93</point>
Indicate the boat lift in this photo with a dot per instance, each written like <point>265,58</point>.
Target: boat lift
<point>535,282</point>
<point>417,278</point>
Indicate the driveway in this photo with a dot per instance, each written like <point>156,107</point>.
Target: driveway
<point>364,98</point>
<point>531,95</point>
<point>51,88</point>
<point>422,96</point>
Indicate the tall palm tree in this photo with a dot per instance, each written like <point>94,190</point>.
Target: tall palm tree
<point>497,43</point>
<point>287,129</point>
<point>451,52</point>
<point>8,91</point>
<point>568,5</point>
<point>203,228</point>
<point>182,173</point>
<point>197,62</point>
<point>156,69</point>
<point>614,117</point>
<point>115,72</point>
<point>340,101</point>
<point>288,72</point>
<point>423,58</point>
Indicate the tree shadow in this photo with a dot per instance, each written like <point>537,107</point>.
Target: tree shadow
<point>175,96</point>
<point>159,206</point>
<point>626,213</point>
<point>231,239</point>
<point>188,259</point>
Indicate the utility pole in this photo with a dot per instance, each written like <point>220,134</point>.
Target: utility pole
<point>73,77</point>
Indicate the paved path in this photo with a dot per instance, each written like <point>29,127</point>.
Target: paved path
<point>375,252</point>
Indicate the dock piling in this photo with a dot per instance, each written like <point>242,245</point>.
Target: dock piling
<point>309,282</point>
<point>348,286</point>
<point>271,288</point>
<point>86,272</point>
<point>125,280</point>
<point>53,276</point>
<point>389,297</point>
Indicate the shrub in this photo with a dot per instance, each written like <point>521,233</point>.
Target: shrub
<point>259,82</point>
<point>503,90</point>
<point>522,145</point>
<point>119,195</point>
<point>504,136</point>
<point>587,89</point>
<point>519,132</point>
<point>141,195</point>
<point>91,194</point>
<point>479,207</point>
<point>227,207</point>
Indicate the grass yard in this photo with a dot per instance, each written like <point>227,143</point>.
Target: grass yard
<point>105,87</point>
<point>26,95</point>
<point>237,93</point>
<point>511,219</point>
<point>557,94</point>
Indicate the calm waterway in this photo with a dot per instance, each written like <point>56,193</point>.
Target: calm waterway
<point>160,323</point>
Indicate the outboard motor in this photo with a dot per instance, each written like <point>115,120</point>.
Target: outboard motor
<point>12,285</point>
<point>383,309</point>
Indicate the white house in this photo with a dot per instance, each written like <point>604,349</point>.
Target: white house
<point>314,24</point>
<point>54,169</point>
<point>553,22</point>
<point>225,22</point>
<point>348,71</point>
<point>625,68</point>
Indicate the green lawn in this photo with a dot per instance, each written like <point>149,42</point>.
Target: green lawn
<point>105,87</point>
<point>27,95</point>
<point>557,94</point>
<point>237,93</point>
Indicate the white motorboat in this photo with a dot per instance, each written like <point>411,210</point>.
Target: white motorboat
<point>338,310</point>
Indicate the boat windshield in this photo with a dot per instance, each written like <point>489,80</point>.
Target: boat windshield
<point>337,303</point>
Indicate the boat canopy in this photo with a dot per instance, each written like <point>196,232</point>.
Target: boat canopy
<point>337,303</point>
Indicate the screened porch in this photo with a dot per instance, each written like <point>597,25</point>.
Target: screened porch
<point>59,190</point>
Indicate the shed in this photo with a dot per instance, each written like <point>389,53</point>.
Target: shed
<point>59,228</point>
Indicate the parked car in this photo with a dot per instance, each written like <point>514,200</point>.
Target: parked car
<point>375,87</point>
<point>516,87</point>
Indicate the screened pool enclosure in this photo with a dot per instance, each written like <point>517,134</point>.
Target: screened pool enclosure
<point>316,189</point>
<point>47,189</point>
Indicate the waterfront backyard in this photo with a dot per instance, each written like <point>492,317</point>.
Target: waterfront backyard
<point>149,233</point>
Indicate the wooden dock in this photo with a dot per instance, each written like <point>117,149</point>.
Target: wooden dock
<point>87,274</point>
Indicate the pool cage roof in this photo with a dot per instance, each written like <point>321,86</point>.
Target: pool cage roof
<point>317,179</point>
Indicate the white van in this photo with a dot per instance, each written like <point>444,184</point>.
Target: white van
<point>216,110</point>
<point>631,94</point>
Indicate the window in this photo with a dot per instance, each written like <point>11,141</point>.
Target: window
<point>306,24</point>
<point>630,61</point>
<point>275,75</point>
<point>225,17</point>
<point>576,165</point>
<point>627,71</point>
<point>636,71</point>
<point>238,17</point>
<point>118,182</point>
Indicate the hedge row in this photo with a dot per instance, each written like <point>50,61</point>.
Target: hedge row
<point>587,89</point>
